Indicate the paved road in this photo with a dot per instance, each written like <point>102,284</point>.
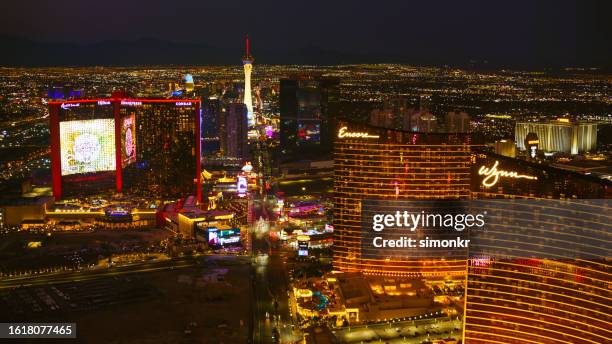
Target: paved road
<point>263,308</point>
<point>87,275</point>
<point>279,280</point>
<point>270,279</point>
<point>271,285</point>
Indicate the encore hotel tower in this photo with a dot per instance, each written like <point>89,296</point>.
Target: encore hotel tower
<point>373,163</point>
<point>141,146</point>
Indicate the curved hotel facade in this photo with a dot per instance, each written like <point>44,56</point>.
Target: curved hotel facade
<point>379,164</point>
<point>539,273</point>
<point>559,136</point>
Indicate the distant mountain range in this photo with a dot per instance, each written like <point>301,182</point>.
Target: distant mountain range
<point>149,51</point>
<point>19,51</point>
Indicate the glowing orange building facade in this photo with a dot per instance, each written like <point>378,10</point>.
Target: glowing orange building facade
<point>373,163</point>
<point>546,277</point>
<point>536,298</point>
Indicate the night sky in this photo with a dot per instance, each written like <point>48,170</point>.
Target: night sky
<point>521,32</point>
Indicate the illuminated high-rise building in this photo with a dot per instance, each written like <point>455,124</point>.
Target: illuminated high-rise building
<point>426,122</point>
<point>505,148</point>
<point>235,143</point>
<point>212,126</point>
<point>64,91</point>
<point>541,273</point>
<point>305,116</point>
<point>380,164</point>
<point>83,147</point>
<point>559,136</point>
<point>247,62</point>
<point>189,85</point>
<point>457,122</point>
<point>140,146</point>
<point>167,146</point>
<point>396,113</point>
<point>538,275</point>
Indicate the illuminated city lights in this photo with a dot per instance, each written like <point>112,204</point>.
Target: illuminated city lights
<point>328,198</point>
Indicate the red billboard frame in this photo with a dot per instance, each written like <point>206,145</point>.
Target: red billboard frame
<point>54,120</point>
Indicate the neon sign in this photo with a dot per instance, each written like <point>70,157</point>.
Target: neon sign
<point>492,175</point>
<point>103,102</point>
<point>344,133</point>
<point>69,105</point>
<point>131,103</point>
<point>183,103</point>
<point>242,186</point>
<point>230,240</point>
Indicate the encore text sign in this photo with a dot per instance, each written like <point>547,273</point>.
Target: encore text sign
<point>345,133</point>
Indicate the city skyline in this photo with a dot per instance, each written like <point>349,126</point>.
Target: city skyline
<point>397,172</point>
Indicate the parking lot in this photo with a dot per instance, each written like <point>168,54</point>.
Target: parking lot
<point>195,300</point>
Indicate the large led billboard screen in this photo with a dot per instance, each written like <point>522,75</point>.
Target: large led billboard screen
<point>87,146</point>
<point>128,140</point>
<point>217,237</point>
<point>309,132</point>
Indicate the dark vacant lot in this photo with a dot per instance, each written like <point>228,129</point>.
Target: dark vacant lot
<point>58,250</point>
<point>182,305</point>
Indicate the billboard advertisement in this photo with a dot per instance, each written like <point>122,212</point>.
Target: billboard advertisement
<point>303,248</point>
<point>309,132</point>
<point>222,237</point>
<point>242,186</point>
<point>128,140</point>
<point>87,146</point>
